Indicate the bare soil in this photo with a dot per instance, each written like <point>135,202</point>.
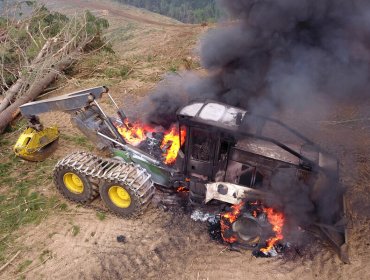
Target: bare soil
<point>168,244</point>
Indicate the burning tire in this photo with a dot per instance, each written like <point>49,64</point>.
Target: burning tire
<point>251,225</point>
<point>74,185</point>
<point>248,230</point>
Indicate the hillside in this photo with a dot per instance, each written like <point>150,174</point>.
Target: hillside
<point>189,11</point>
<point>65,241</point>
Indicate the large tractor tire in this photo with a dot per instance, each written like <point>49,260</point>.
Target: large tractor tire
<point>128,195</point>
<point>122,200</point>
<point>125,188</point>
<point>74,185</point>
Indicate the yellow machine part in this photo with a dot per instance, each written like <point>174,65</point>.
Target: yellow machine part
<point>119,196</point>
<point>36,145</point>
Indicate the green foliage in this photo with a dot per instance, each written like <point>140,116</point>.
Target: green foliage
<point>94,28</point>
<point>22,39</point>
<point>63,206</point>
<point>100,215</point>
<point>51,23</point>
<point>79,140</point>
<point>189,11</point>
<point>18,126</point>
<point>2,22</point>
<point>121,71</point>
<point>4,169</point>
<point>23,206</point>
<point>23,265</point>
<point>46,254</point>
<point>95,25</point>
<point>173,68</point>
<point>21,203</point>
<point>75,230</point>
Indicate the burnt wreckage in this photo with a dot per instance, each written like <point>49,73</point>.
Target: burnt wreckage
<point>234,157</point>
<point>217,152</point>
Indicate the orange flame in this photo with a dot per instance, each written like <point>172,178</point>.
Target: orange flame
<point>182,189</point>
<point>227,219</point>
<point>276,219</point>
<point>172,138</point>
<point>135,133</point>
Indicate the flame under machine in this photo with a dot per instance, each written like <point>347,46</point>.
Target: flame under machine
<point>220,153</point>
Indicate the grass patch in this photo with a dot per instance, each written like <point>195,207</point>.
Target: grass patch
<point>92,61</point>
<point>21,206</point>
<point>63,206</point>
<point>75,230</point>
<point>23,265</point>
<point>175,65</point>
<point>101,215</point>
<point>19,125</point>
<point>4,142</point>
<point>121,71</point>
<point>46,254</point>
<point>79,140</point>
<point>5,168</point>
<point>123,33</point>
<point>173,68</point>
<point>21,202</point>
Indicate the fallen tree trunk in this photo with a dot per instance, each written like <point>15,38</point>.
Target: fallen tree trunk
<point>10,93</point>
<point>57,53</point>
<point>21,82</point>
<point>35,89</point>
<point>3,36</point>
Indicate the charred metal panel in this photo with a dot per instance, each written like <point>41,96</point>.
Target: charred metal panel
<point>267,149</point>
<point>256,160</point>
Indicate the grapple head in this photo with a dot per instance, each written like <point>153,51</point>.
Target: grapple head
<point>34,145</point>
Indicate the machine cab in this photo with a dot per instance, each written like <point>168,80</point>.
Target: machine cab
<point>208,139</point>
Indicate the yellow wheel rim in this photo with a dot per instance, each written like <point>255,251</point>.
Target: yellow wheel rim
<point>73,183</point>
<point>119,196</point>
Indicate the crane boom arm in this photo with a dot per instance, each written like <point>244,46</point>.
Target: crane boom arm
<point>68,102</point>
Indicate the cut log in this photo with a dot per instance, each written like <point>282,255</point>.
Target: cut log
<point>3,36</point>
<point>10,94</point>
<point>35,89</point>
<point>21,82</point>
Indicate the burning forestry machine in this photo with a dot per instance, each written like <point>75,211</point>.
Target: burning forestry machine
<point>215,152</point>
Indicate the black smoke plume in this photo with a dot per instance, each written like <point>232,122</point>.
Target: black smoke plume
<point>306,205</point>
<point>274,54</point>
<point>271,55</point>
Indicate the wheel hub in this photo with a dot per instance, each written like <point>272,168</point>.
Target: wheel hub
<point>119,196</point>
<point>73,183</point>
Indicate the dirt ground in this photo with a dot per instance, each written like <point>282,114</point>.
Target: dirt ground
<point>168,244</point>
